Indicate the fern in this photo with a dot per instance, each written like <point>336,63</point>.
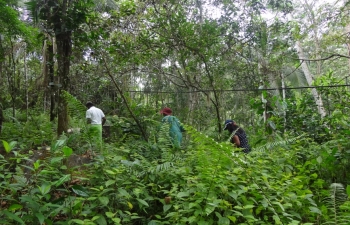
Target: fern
<point>334,204</point>
<point>270,145</point>
<point>75,107</point>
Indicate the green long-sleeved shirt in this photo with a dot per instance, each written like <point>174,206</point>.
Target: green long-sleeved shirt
<point>175,130</point>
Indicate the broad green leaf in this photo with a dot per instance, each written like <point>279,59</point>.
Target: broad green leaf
<point>276,203</point>
<point>58,144</point>
<point>67,151</point>
<point>56,160</point>
<point>130,205</point>
<point>9,146</point>
<point>348,190</point>
<point>143,202</point>
<point>116,220</point>
<point>111,172</point>
<point>277,219</point>
<point>104,200</point>
<point>79,190</point>
<point>123,192</point>
<point>166,207</point>
<point>13,216</point>
<point>232,218</point>
<point>101,220</point>
<point>182,194</point>
<point>209,210</point>
<point>315,210</point>
<point>40,217</point>
<point>62,180</point>
<point>223,221</point>
<point>77,221</point>
<point>110,214</point>
<point>14,207</point>
<point>36,164</point>
<point>191,205</point>
<point>248,206</point>
<point>6,146</point>
<point>109,182</point>
<point>95,218</point>
<point>44,188</point>
<point>171,214</point>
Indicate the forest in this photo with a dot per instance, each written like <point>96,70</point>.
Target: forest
<point>278,68</point>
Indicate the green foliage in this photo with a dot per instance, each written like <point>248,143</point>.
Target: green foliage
<point>35,132</point>
<point>205,182</point>
<point>75,107</point>
<point>282,141</point>
<point>9,146</point>
<point>337,204</point>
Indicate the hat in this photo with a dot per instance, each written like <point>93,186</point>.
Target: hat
<point>227,122</point>
<point>167,111</point>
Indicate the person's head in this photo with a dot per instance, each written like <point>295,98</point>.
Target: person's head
<point>89,105</point>
<point>230,125</point>
<point>166,111</point>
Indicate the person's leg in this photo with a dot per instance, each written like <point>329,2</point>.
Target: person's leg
<point>95,134</point>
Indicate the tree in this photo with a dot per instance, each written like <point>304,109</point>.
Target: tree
<point>62,18</point>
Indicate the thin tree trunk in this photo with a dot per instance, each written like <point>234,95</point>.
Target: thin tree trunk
<point>26,80</point>
<point>284,102</point>
<point>311,15</point>
<point>50,65</point>
<point>309,79</point>
<point>125,100</point>
<point>64,49</point>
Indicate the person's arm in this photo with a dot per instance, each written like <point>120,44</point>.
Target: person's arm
<point>103,120</point>
<point>178,123</point>
<point>88,117</point>
<point>236,140</point>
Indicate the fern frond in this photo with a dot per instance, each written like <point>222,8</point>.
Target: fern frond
<point>75,107</point>
<point>270,145</point>
<point>334,202</point>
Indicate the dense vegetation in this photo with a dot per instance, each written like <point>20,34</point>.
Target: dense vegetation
<point>278,68</point>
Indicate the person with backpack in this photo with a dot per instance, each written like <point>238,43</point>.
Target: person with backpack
<point>175,128</point>
<point>238,135</point>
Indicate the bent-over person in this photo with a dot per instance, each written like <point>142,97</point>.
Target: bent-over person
<point>239,137</point>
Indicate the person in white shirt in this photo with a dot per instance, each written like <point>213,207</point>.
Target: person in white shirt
<point>95,119</point>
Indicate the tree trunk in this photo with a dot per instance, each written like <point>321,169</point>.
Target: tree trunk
<point>64,50</point>
<point>26,79</point>
<point>309,78</point>
<point>50,66</point>
<point>284,102</point>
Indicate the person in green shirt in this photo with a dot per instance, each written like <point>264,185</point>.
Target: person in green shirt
<point>175,128</point>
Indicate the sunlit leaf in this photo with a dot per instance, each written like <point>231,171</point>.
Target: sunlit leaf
<point>15,207</point>
<point>110,214</point>
<point>67,151</point>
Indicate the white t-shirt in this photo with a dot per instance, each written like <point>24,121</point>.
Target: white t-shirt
<point>95,114</point>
